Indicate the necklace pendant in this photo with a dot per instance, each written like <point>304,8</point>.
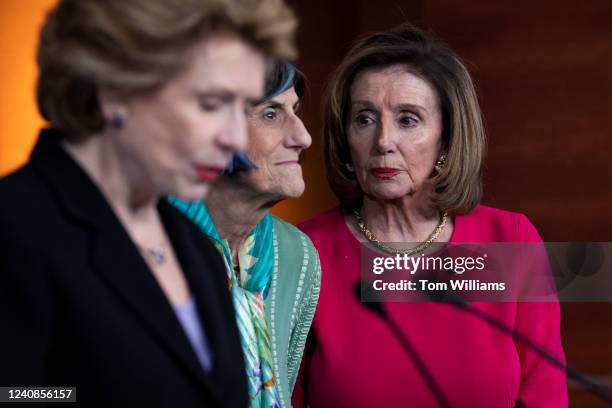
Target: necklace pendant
<point>158,255</point>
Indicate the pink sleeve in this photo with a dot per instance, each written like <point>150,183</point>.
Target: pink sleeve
<point>542,384</point>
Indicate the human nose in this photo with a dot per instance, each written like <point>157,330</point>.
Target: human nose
<point>234,138</point>
<point>384,138</point>
<point>299,136</point>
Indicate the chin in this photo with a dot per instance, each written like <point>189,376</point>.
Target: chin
<point>192,193</point>
<point>295,193</point>
<point>387,194</point>
<point>293,189</point>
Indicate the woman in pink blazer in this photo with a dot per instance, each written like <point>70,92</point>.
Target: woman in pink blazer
<point>404,145</point>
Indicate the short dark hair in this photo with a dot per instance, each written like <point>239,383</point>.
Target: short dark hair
<point>458,186</point>
<point>282,76</point>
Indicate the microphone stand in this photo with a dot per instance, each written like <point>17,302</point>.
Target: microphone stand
<point>379,309</point>
<point>571,372</point>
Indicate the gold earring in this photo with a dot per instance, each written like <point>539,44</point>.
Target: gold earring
<point>440,163</point>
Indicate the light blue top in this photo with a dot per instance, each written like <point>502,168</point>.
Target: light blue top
<point>189,318</point>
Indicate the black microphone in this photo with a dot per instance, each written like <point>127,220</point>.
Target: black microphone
<point>379,308</point>
<point>459,302</point>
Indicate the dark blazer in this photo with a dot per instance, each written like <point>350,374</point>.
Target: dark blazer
<point>79,306</point>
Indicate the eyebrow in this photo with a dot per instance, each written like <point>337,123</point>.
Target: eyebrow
<point>364,104</point>
<point>225,95</point>
<point>411,107</point>
<point>402,107</point>
<point>279,105</point>
<point>273,104</point>
<point>215,93</point>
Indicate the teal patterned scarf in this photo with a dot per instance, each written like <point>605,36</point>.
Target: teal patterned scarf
<point>248,289</point>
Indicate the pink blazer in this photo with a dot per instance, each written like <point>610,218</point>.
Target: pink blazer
<point>353,360</point>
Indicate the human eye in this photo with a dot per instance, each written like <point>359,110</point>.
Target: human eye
<point>408,121</point>
<point>270,113</point>
<point>362,119</point>
<point>211,103</point>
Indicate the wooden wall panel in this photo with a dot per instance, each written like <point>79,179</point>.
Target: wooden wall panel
<point>543,75</point>
<point>542,70</point>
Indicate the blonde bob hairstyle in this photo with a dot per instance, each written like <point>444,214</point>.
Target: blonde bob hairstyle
<point>457,188</point>
<point>134,46</point>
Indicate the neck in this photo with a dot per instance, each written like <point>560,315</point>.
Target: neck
<point>122,183</point>
<point>402,220</point>
<point>236,209</point>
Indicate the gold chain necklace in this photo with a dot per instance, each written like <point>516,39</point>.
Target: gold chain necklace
<point>372,238</point>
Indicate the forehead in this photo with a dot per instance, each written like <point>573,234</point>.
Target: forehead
<point>226,62</point>
<point>392,86</point>
<point>289,97</point>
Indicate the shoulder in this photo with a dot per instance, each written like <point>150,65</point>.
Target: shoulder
<point>492,224</point>
<point>298,263</point>
<point>296,252</point>
<point>486,214</point>
<point>22,184</point>
<point>285,228</point>
<point>26,202</point>
<point>25,239</point>
<point>289,236</point>
<point>323,223</point>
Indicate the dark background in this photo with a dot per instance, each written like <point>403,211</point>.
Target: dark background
<point>543,74</point>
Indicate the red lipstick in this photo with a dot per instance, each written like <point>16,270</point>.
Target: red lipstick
<point>208,174</point>
<point>384,173</point>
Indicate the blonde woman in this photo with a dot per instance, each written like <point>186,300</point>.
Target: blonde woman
<point>104,286</point>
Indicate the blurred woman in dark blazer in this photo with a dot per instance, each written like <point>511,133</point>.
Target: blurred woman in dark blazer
<point>104,286</point>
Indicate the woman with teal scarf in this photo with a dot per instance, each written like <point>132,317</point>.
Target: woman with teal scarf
<point>273,268</point>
